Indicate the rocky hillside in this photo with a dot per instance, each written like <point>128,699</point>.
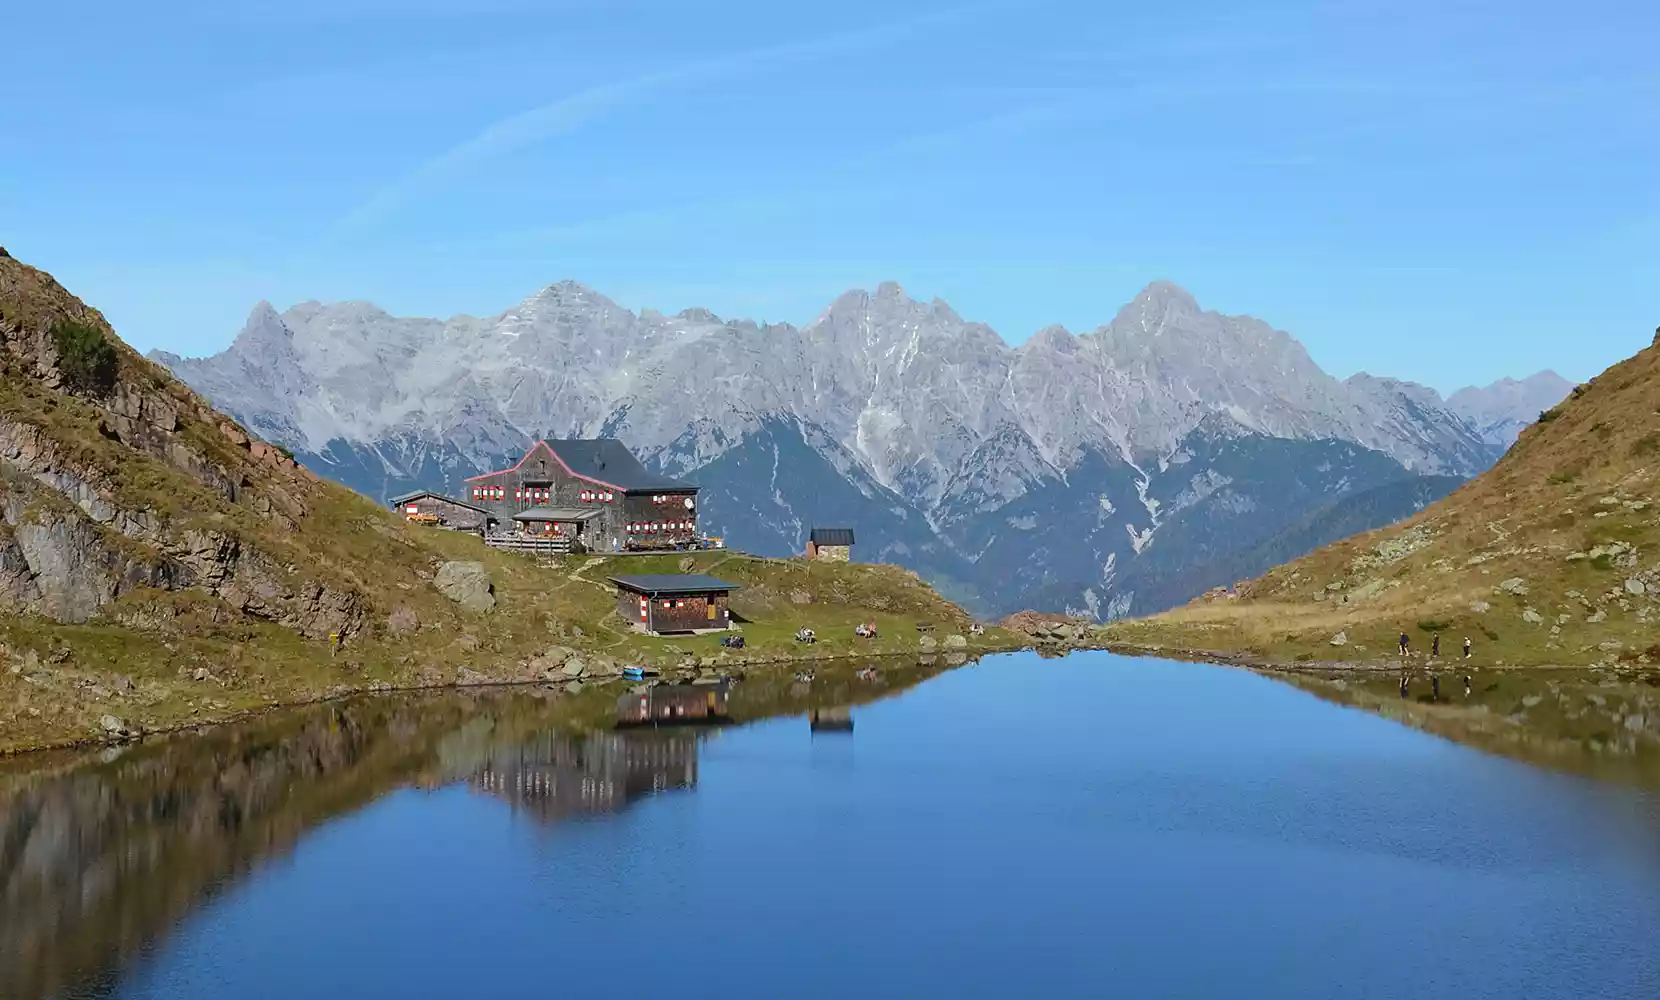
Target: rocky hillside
<point>118,484</point>
<point>1037,475</point>
<point>158,562</point>
<point>1551,557</point>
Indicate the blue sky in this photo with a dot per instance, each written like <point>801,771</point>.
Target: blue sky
<point>1444,190</point>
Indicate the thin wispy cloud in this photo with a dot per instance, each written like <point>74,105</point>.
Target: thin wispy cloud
<point>568,114</point>
<point>642,222</point>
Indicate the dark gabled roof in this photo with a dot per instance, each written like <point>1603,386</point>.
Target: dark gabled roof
<point>654,584</point>
<point>399,501</point>
<point>557,514</point>
<point>831,536</point>
<point>608,461</point>
<point>604,462</point>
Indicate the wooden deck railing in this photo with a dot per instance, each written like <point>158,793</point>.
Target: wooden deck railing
<point>538,546</point>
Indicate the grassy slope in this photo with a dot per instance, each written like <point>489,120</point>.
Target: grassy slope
<point>57,680</point>
<point>1580,481</point>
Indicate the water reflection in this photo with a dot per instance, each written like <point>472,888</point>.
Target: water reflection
<point>1601,723</point>
<point>100,854</point>
<point>674,704</point>
<point>555,777</point>
<point>831,720</point>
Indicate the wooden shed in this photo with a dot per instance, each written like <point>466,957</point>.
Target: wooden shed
<point>435,508</point>
<point>674,602</point>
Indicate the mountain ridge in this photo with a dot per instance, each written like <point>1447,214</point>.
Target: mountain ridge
<point>1552,557</point>
<point>934,408</point>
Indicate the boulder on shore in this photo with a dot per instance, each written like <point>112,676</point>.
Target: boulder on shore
<point>467,584</point>
<point>116,729</point>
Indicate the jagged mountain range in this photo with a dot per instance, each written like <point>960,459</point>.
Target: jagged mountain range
<point>1502,410</point>
<point>1090,471</point>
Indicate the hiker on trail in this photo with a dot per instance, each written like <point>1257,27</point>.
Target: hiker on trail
<point>1466,647</point>
<point>1404,641</point>
<point>1466,685</point>
<point>1435,645</point>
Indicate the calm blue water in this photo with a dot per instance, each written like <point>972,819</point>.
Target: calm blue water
<point>1087,827</point>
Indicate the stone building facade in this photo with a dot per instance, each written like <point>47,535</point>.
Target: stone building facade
<point>830,544</point>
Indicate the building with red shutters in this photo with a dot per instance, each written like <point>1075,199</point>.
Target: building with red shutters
<point>591,493</point>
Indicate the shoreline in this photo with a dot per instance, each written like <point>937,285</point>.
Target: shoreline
<point>12,752</point>
<point>1437,717</point>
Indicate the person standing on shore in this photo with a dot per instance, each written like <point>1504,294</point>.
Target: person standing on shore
<point>1404,641</point>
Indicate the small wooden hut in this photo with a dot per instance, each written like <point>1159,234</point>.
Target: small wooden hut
<point>674,602</point>
<point>428,507</point>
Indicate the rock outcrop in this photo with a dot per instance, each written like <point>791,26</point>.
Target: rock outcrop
<point>467,584</point>
<point>116,479</point>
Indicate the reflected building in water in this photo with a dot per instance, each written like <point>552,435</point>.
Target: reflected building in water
<point>831,720</point>
<point>556,778</point>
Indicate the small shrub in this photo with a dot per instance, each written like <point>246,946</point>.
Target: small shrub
<point>1491,635</point>
<point>1563,477</point>
<point>1433,625</point>
<point>1603,562</point>
<point>86,357</point>
<point>1648,444</point>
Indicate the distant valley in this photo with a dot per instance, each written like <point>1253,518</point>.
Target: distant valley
<point>1114,472</point>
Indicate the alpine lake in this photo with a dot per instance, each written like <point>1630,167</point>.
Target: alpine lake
<point>1021,826</point>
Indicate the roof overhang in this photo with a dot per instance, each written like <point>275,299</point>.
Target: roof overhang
<point>565,514</point>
